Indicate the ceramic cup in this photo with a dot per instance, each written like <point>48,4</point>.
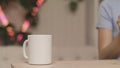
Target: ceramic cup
<point>38,48</point>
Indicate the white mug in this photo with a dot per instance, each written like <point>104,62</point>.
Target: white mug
<point>39,49</point>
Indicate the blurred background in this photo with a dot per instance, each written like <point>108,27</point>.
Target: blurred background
<point>71,22</point>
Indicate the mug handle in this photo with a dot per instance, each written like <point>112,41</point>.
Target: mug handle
<point>24,49</point>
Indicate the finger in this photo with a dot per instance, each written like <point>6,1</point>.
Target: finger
<point>119,18</point>
<point>118,21</point>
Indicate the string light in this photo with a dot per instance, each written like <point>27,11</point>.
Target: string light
<point>26,23</point>
<point>10,31</point>
<point>34,11</point>
<point>19,37</point>
<point>39,2</point>
<point>25,26</point>
<point>3,18</point>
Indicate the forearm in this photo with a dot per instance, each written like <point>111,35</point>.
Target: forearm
<point>112,50</point>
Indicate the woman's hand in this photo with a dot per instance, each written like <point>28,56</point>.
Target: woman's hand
<point>118,21</point>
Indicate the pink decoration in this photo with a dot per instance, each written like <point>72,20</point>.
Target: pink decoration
<point>3,17</point>
<point>39,2</point>
<point>35,9</point>
<point>19,37</point>
<point>25,26</point>
<point>26,23</point>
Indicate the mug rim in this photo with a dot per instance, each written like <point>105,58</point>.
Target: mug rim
<point>39,35</point>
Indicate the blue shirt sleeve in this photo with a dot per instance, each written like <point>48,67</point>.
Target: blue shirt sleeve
<point>105,16</point>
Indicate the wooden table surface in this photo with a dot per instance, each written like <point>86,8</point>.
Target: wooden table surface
<point>73,64</point>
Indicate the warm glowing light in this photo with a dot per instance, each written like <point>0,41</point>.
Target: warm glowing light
<point>39,2</point>
<point>25,26</point>
<point>11,34</point>
<point>35,9</point>
<point>3,18</point>
<point>10,31</point>
<point>26,23</point>
<point>19,37</point>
